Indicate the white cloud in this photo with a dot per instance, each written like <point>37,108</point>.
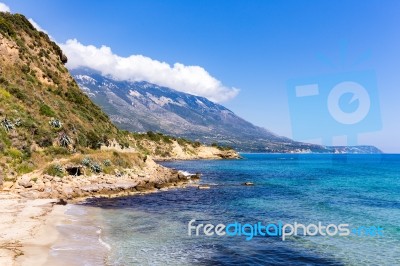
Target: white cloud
<point>4,7</point>
<point>34,24</point>
<point>190,79</point>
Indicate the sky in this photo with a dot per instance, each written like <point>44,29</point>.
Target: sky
<point>250,56</point>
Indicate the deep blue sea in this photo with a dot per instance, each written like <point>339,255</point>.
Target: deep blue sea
<point>362,191</point>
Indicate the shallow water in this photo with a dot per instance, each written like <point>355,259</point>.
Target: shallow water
<point>359,190</point>
<point>80,241</point>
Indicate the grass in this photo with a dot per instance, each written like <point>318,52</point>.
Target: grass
<point>46,110</point>
<point>24,168</point>
<point>54,170</point>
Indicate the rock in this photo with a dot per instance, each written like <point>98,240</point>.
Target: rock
<point>48,177</point>
<point>162,186</point>
<point>203,187</point>
<point>90,188</point>
<point>125,185</point>
<point>29,194</point>
<point>67,191</point>
<point>7,185</point>
<point>248,184</point>
<point>61,202</point>
<point>63,58</point>
<point>196,176</point>
<point>25,181</point>
<point>141,188</point>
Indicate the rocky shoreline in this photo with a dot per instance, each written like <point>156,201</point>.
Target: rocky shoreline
<point>152,178</point>
<point>31,206</point>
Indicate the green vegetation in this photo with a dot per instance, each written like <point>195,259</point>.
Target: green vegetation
<point>55,170</point>
<point>46,110</point>
<point>219,147</point>
<point>24,168</point>
<point>4,94</point>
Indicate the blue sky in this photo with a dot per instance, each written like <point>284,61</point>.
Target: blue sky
<point>255,46</point>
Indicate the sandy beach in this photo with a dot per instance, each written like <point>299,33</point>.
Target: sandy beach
<point>28,229</point>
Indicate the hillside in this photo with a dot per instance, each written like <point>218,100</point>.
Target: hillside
<point>46,122</point>
<point>142,106</point>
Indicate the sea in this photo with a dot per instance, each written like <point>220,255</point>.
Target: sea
<point>356,196</point>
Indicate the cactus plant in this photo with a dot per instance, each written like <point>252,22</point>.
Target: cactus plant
<point>7,124</point>
<point>86,161</point>
<point>55,123</point>
<point>64,140</point>
<point>95,167</point>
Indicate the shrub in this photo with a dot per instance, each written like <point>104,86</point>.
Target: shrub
<point>46,110</point>
<point>54,170</point>
<point>182,141</point>
<point>4,95</point>
<point>167,139</point>
<point>14,153</point>
<point>43,140</point>
<point>74,96</point>
<point>24,168</point>
<point>6,28</point>
<point>17,93</point>
<point>93,140</point>
<point>57,151</point>
<point>26,69</point>
<point>196,144</point>
<point>152,136</point>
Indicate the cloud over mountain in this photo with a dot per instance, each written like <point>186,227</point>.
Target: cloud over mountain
<point>4,8</point>
<point>34,24</point>
<point>190,79</point>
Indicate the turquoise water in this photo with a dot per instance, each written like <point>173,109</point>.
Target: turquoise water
<point>359,190</point>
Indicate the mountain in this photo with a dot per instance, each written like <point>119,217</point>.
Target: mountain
<point>142,106</point>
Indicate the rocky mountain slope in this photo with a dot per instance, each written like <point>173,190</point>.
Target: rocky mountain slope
<point>142,106</point>
<point>46,122</point>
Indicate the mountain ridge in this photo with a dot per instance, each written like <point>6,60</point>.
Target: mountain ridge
<point>142,106</point>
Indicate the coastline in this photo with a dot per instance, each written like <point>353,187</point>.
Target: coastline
<point>33,214</point>
<point>29,226</point>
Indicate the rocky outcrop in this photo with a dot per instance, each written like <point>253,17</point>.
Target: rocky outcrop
<point>152,177</point>
<point>179,152</point>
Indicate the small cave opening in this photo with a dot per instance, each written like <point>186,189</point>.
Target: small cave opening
<point>74,170</point>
